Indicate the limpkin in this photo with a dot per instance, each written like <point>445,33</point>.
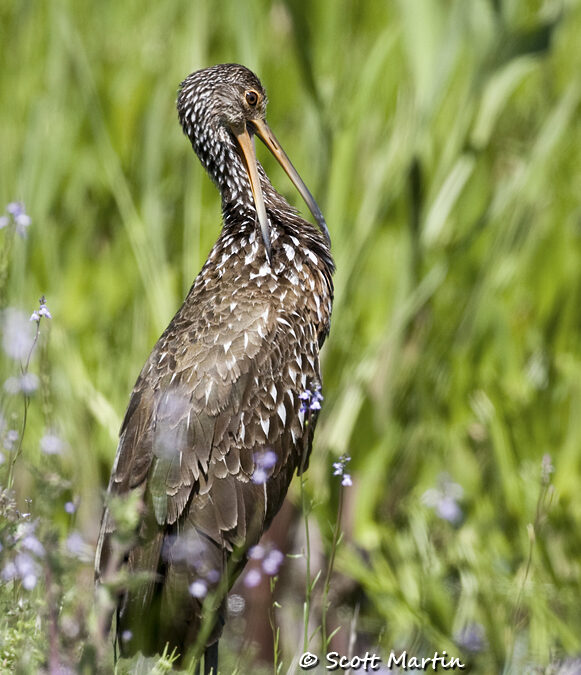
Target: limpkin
<point>224,385</point>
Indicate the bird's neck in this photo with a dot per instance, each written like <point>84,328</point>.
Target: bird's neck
<point>225,167</point>
<point>238,200</point>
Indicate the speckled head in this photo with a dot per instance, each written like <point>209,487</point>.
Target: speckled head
<point>220,109</point>
<point>225,97</point>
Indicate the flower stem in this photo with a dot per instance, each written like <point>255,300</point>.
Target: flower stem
<point>308,588</point>
<point>24,370</point>
<point>330,566</point>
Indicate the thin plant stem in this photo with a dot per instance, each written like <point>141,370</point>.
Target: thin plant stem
<point>24,370</point>
<point>308,588</point>
<point>277,664</point>
<point>330,566</point>
<point>533,529</point>
<point>306,513</point>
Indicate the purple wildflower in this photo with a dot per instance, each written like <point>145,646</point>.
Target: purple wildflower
<point>256,552</point>
<point>339,470</point>
<point>19,216</point>
<point>51,444</point>
<point>24,568</point>
<point>259,476</point>
<point>126,635</point>
<point>268,561</point>
<point>10,439</point>
<point>263,465</point>
<point>78,547</point>
<point>29,581</point>
<point>18,335</point>
<point>26,384</point>
<point>41,311</point>
<point>75,543</point>
<point>22,222</point>
<point>32,544</point>
<point>170,438</point>
<point>252,578</point>
<point>189,550</point>
<point>472,637</point>
<point>444,499</point>
<point>198,589</point>
<point>29,383</point>
<point>271,564</point>
<point>311,400</point>
<point>213,576</point>
<point>15,209</point>
<point>9,572</point>
<point>448,509</point>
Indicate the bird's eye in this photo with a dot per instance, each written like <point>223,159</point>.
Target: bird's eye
<point>251,97</point>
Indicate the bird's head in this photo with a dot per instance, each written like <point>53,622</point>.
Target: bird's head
<point>221,109</point>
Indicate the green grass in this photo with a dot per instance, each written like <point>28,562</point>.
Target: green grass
<point>442,140</point>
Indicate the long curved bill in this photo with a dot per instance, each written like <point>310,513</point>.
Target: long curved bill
<point>246,143</point>
<point>265,134</point>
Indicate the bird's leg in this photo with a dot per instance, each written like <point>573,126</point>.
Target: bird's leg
<point>211,659</point>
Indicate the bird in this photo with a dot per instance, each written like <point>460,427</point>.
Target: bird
<point>223,412</point>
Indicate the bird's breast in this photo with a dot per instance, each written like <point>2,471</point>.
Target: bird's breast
<point>238,275</point>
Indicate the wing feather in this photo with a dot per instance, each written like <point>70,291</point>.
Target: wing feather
<point>204,409</point>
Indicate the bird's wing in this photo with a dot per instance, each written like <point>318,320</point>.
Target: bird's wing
<point>204,408</point>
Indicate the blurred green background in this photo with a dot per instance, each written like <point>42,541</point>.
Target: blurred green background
<point>442,140</point>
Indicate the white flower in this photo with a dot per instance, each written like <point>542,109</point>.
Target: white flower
<point>198,589</point>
